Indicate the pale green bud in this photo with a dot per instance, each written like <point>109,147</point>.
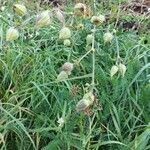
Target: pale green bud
<point>108,37</point>
<point>20,9</point>
<point>113,70</point>
<point>67,42</point>
<point>89,39</point>
<point>43,19</point>
<point>64,33</point>
<point>122,69</point>
<point>62,76</point>
<point>12,34</point>
<point>85,102</point>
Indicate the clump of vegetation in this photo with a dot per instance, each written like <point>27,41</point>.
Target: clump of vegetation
<point>72,78</point>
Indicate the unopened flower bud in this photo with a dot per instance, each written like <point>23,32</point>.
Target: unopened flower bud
<point>114,31</point>
<point>19,9</point>
<point>89,39</point>
<point>80,9</point>
<point>113,70</point>
<point>97,20</point>
<point>122,69</point>
<point>12,34</point>
<point>64,33</point>
<point>59,15</point>
<point>67,42</point>
<point>62,76</point>
<point>2,8</point>
<point>85,102</point>
<point>43,19</point>
<point>108,37</point>
<point>67,67</point>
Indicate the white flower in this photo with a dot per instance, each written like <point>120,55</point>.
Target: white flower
<point>61,122</point>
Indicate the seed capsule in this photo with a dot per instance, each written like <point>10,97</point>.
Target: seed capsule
<point>12,34</point>
<point>97,20</point>
<point>43,19</point>
<point>67,67</point>
<point>122,69</point>
<point>62,76</point>
<point>64,33</point>
<point>85,102</point>
<point>80,9</point>
<point>89,39</point>
<point>113,70</point>
<point>67,42</point>
<point>108,37</point>
<point>19,9</point>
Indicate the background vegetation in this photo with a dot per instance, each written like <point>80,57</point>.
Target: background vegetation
<point>31,101</point>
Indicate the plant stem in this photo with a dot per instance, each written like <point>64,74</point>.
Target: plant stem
<point>93,59</point>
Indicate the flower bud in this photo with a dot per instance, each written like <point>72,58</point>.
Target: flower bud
<point>122,69</point>
<point>2,8</point>
<point>97,20</point>
<point>89,39</point>
<point>114,31</point>
<point>62,76</point>
<point>12,34</point>
<point>80,9</point>
<point>85,102</point>
<point>67,67</point>
<point>82,105</point>
<point>67,42</point>
<point>108,37</point>
<point>59,15</point>
<point>113,70</point>
<point>43,19</point>
<point>64,33</point>
<point>19,9</point>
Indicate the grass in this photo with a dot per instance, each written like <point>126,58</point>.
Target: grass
<point>32,101</point>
